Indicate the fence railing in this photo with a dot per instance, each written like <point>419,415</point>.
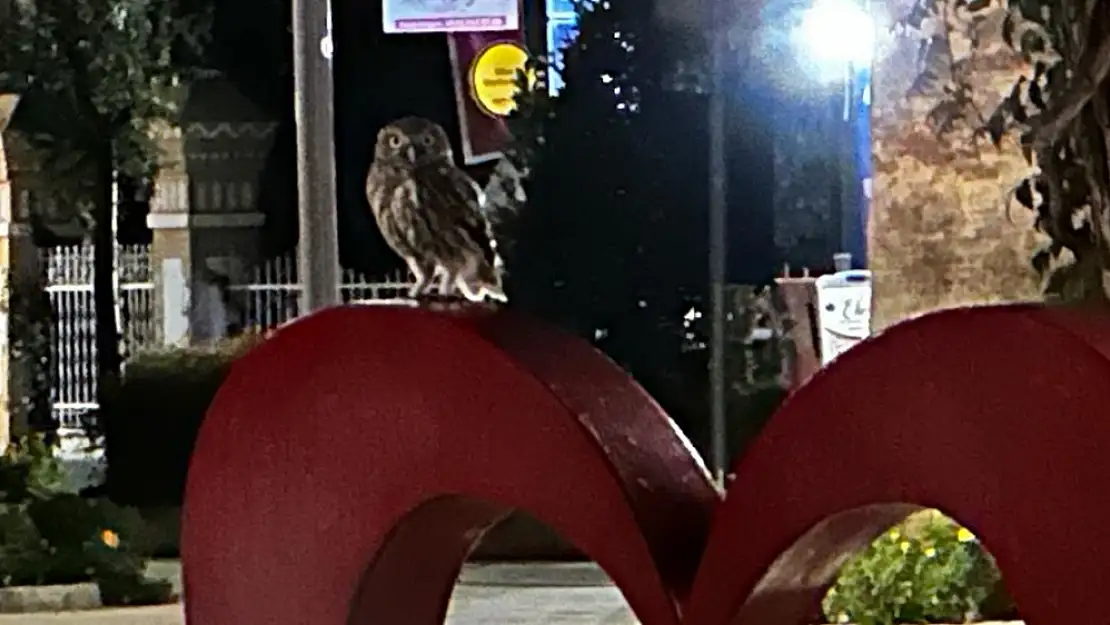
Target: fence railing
<point>69,285</point>
<point>269,297</point>
<point>266,299</point>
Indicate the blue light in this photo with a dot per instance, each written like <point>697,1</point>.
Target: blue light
<point>859,119</point>
<point>560,7</point>
<point>562,28</point>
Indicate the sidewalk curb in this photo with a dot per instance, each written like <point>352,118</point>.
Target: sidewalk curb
<point>501,574</point>
<point>59,598</point>
<point>536,574</point>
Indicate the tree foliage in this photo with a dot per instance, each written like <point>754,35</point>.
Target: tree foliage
<point>610,245</point>
<point>98,76</point>
<point>1056,113</point>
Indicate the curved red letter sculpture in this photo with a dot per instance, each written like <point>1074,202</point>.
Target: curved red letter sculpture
<point>349,464</point>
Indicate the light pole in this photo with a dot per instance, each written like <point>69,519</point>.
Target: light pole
<point>318,245</point>
<point>718,239</point>
<point>836,35</point>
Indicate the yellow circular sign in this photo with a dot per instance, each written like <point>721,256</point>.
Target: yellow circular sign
<point>493,77</point>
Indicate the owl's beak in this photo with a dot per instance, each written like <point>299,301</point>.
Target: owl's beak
<point>410,153</point>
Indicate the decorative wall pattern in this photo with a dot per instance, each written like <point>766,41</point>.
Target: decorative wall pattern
<point>941,234</point>
<point>223,162</point>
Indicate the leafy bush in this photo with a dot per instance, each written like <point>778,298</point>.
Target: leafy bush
<point>927,570</point>
<point>29,470</point>
<point>51,537</point>
<point>31,327</point>
<point>151,427</point>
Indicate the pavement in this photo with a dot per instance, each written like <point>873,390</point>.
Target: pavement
<point>513,594</point>
<point>160,615</point>
<point>509,594</point>
<point>471,605</point>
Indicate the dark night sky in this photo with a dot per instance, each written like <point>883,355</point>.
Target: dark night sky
<point>379,78</point>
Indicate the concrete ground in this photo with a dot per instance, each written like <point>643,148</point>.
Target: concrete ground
<point>539,594</point>
<point>570,594</point>
<point>472,605</point>
<point>161,615</point>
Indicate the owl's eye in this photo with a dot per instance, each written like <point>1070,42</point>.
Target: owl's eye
<point>394,141</point>
<point>428,140</point>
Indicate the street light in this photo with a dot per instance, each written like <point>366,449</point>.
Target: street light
<point>835,36</point>
<point>832,37</point>
<point>718,34</point>
<point>835,43</point>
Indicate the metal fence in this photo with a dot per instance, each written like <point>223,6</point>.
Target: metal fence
<point>269,297</point>
<point>69,285</point>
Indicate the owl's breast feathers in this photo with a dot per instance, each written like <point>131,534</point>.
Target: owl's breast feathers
<point>393,198</point>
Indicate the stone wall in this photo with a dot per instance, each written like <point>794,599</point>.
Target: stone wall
<point>205,215</point>
<point>941,234</point>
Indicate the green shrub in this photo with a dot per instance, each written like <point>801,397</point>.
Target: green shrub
<point>22,560</point>
<point>150,429</point>
<point>31,327</point>
<point>927,570</point>
<point>51,537</point>
<point>28,469</point>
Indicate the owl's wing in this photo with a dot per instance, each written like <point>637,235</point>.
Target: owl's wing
<point>376,188</point>
<point>459,201</point>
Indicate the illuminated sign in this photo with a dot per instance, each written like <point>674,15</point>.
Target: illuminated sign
<point>493,77</point>
<point>562,28</point>
<point>449,16</point>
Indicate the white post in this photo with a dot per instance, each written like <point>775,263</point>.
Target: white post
<point>8,102</point>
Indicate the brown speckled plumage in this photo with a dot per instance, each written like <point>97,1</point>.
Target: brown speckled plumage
<point>431,212</point>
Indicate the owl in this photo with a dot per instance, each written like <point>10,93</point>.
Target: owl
<point>431,213</point>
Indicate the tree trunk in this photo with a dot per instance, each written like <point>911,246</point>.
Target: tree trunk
<point>108,364</point>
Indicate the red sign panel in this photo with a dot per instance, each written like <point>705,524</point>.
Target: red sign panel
<point>484,136</point>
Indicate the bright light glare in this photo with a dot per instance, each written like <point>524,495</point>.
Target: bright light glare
<point>834,34</point>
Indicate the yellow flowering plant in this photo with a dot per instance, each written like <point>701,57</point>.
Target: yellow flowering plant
<point>109,538</point>
<point>927,570</point>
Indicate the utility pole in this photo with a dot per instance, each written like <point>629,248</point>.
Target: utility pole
<point>718,238</point>
<point>318,245</point>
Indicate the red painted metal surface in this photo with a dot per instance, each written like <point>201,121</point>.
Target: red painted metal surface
<point>348,465</point>
<point>355,457</point>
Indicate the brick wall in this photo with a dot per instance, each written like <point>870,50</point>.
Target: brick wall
<point>940,233</point>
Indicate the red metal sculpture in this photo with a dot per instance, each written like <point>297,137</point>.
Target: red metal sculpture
<point>349,464</point>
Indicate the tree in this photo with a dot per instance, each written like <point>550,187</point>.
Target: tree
<point>1056,114</point>
<point>98,76</point>
<point>612,242</point>
<point>1061,114</point>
